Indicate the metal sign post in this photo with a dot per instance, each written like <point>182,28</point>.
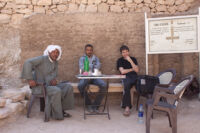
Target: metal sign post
<point>147,42</point>
<point>199,52</point>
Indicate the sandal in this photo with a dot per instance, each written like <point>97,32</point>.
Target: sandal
<point>126,113</point>
<point>67,115</point>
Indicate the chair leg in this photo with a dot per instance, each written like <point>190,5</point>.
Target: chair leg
<point>45,117</point>
<point>174,123</point>
<point>148,118</point>
<point>138,99</point>
<point>30,105</point>
<point>170,119</point>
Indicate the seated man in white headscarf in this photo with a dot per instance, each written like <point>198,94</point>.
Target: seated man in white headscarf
<point>43,70</point>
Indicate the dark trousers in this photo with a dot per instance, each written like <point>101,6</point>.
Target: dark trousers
<point>42,104</point>
<point>128,83</point>
<point>102,88</point>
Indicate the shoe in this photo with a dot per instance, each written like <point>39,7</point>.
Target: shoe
<point>95,109</point>
<point>89,109</point>
<point>67,115</point>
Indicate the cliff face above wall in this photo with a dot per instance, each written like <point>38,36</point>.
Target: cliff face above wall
<point>10,55</point>
<point>13,11</point>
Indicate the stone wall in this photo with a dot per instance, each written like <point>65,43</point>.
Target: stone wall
<point>107,32</point>
<point>13,11</point>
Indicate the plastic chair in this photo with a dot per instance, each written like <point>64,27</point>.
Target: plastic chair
<point>165,79</point>
<point>173,95</point>
<point>42,97</point>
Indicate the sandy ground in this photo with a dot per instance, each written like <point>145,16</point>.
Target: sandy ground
<point>188,122</point>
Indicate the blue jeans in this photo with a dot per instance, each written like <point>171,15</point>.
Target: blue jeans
<point>102,88</point>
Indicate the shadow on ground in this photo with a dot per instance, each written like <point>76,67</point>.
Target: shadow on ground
<point>188,121</point>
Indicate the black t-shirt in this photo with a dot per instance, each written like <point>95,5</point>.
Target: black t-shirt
<point>121,62</point>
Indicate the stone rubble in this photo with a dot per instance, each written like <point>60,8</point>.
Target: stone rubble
<point>14,101</point>
<point>12,11</point>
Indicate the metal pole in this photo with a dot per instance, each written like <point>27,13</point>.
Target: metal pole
<point>147,64</point>
<point>146,42</point>
<point>198,46</point>
<point>199,76</point>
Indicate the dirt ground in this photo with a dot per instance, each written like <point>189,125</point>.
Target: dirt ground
<point>188,121</point>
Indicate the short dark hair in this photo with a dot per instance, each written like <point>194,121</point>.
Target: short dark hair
<point>88,45</point>
<point>124,47</point>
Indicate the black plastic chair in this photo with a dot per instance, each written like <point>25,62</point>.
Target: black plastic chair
<point>165,79</point>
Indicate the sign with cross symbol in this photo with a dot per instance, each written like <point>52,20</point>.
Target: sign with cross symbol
<point>172,34</point>
<point>172,37</point>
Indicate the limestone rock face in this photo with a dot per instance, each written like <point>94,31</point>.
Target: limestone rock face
<point>39,9</point>
<point>4,113</point>
<point>2,102</point>
<point>97,2</point>
<point>14,95</point>
<point>172,9</point>
<point>15,108</point>
<point>84,2</point>
<point>10,55</point>
<point>13,11</point>
<point>111,2</point>
<point>90,2</point>
<point>16,19</point>
<point>169,2</point>
<point>189,1</point>
<point>103,7</point>
<point>138,1</point>
<point>162,2</point>
<point>4,18</point>
<point>179,2</point>
<point>44,2</point>
<point>72,8</point>
<point>115,8</point>
<point>161,8</point>
<point>26,10</point>
<point>23,2</point>
<point>61,8</point>
<point>82,8</point>
<point>129,1</point>
<point>91,8</point>
<point>25,103</point>
<point>182,7</point>
<point>147,1</point>
<point>146,9</point>
<point>57,1</point>
<point>152,5</point>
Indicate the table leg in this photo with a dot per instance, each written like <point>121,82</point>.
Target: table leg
<point>105,106</point>
<point>84,99</point>
<point>106,99</point>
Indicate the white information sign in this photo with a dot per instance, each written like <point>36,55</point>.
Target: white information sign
<point>172,34</point>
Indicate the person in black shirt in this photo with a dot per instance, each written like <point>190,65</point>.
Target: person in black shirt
<point>127,66</point>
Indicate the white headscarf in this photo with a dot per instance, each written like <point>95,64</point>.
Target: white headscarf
<point>51,48</point>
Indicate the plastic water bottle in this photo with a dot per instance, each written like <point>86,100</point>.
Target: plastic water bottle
<point>141,114</point>
<point>86,64</point>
